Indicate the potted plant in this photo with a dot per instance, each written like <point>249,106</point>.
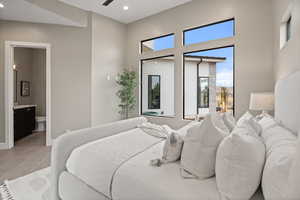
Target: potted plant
<point>127,80</point>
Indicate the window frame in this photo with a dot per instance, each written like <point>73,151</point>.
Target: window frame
<point>206,25</point>
<point>154,38</point>
<point>141,85</point>
<point>183,76</point>
<point>151,89</point>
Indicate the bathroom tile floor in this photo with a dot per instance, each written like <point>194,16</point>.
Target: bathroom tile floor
<point>28,155</point>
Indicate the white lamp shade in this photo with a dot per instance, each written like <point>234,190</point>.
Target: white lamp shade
<point>262,101</point>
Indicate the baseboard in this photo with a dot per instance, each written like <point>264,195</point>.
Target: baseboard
<point>3,146</point>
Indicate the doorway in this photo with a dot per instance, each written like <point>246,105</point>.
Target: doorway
<point>13,88</point>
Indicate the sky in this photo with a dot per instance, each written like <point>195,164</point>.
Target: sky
<point>212,32</point>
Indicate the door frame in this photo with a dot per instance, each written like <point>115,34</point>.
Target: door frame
<point>9,89</point>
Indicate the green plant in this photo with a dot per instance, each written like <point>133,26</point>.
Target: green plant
<point>127,81</point>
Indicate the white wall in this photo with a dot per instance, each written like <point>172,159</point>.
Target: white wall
<point>166,71</point>
<point>287,59</point>
<point>253,44</point>
<point>190,103</point>
<point>108,59</point>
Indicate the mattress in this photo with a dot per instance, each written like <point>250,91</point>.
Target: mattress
<point>118,167</point>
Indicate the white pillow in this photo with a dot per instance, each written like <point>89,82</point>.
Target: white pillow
<point>239,164</point>
<point>229,120</point>
<point>198,156</point>
<point>183,130</point>
<point>254,126</point>
<point>267,122</point>
<point>243,118</point>
<point>172,148</point>
<point>280,148</point>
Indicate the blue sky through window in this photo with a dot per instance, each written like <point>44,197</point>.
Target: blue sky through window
<point>211,32</point>
<point>164,43</point>
<point>224,69</point>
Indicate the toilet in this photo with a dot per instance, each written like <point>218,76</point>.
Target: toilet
<point>40,124</point>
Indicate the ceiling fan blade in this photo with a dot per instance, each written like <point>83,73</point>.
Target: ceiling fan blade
<point>107,2</point>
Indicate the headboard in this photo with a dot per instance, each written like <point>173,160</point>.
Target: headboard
<point>287,102</point>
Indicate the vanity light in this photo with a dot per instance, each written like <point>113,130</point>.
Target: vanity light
<point>1,5</point>
<point>125,7</point>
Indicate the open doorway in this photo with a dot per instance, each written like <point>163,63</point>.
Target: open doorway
<point>27,88</point>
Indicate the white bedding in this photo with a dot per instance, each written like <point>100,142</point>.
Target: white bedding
<point>108,166</point>
<point>95,163</point>
<point>137,180</point>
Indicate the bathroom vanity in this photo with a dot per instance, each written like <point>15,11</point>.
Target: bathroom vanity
<point>24,120</point>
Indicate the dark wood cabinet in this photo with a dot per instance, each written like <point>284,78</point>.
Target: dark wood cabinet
<point>24,122</point>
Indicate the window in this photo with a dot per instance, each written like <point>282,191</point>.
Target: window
<point>288,29</point>
<point>153,92</point>
<point>208,82</point>
<point>157,44</point>
<point>157,86</point>
<point>209,32</point>
<point>203,92</point>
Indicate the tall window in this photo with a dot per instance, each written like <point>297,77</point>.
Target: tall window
<point>208,82</point>
<point>153,92</point>
<point>157,86</point>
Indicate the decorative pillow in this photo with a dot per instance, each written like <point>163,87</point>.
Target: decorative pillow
<point>239,164</point>
<point>183,131</point>
<point>293,191</point>
<point>172,148</point>
<point>229,120</point>
<point>198,155</point>
<point>254,126</point>
<point>267,122</point>
<point>280,148</point>
<point>244,117</point>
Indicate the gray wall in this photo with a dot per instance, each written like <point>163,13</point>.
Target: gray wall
<point>108,58</point>
<point>39,81</point>
<point>253,42</point>
<point>31,66</point>
<point>287,59</point>
<point>81,60</point>
<point>23,61</point>
<point>71,71</point>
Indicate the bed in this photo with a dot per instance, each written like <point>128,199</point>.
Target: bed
<point>93,164</point>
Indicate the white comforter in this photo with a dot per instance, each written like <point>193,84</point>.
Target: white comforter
<point>118,167</point>
<point>95,163</point>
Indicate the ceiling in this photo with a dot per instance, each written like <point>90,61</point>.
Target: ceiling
<point>20,10</point>
<point>138,9</point>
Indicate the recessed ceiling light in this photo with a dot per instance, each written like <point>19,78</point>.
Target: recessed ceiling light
<point>1,5</point>
<point>125,7</point>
